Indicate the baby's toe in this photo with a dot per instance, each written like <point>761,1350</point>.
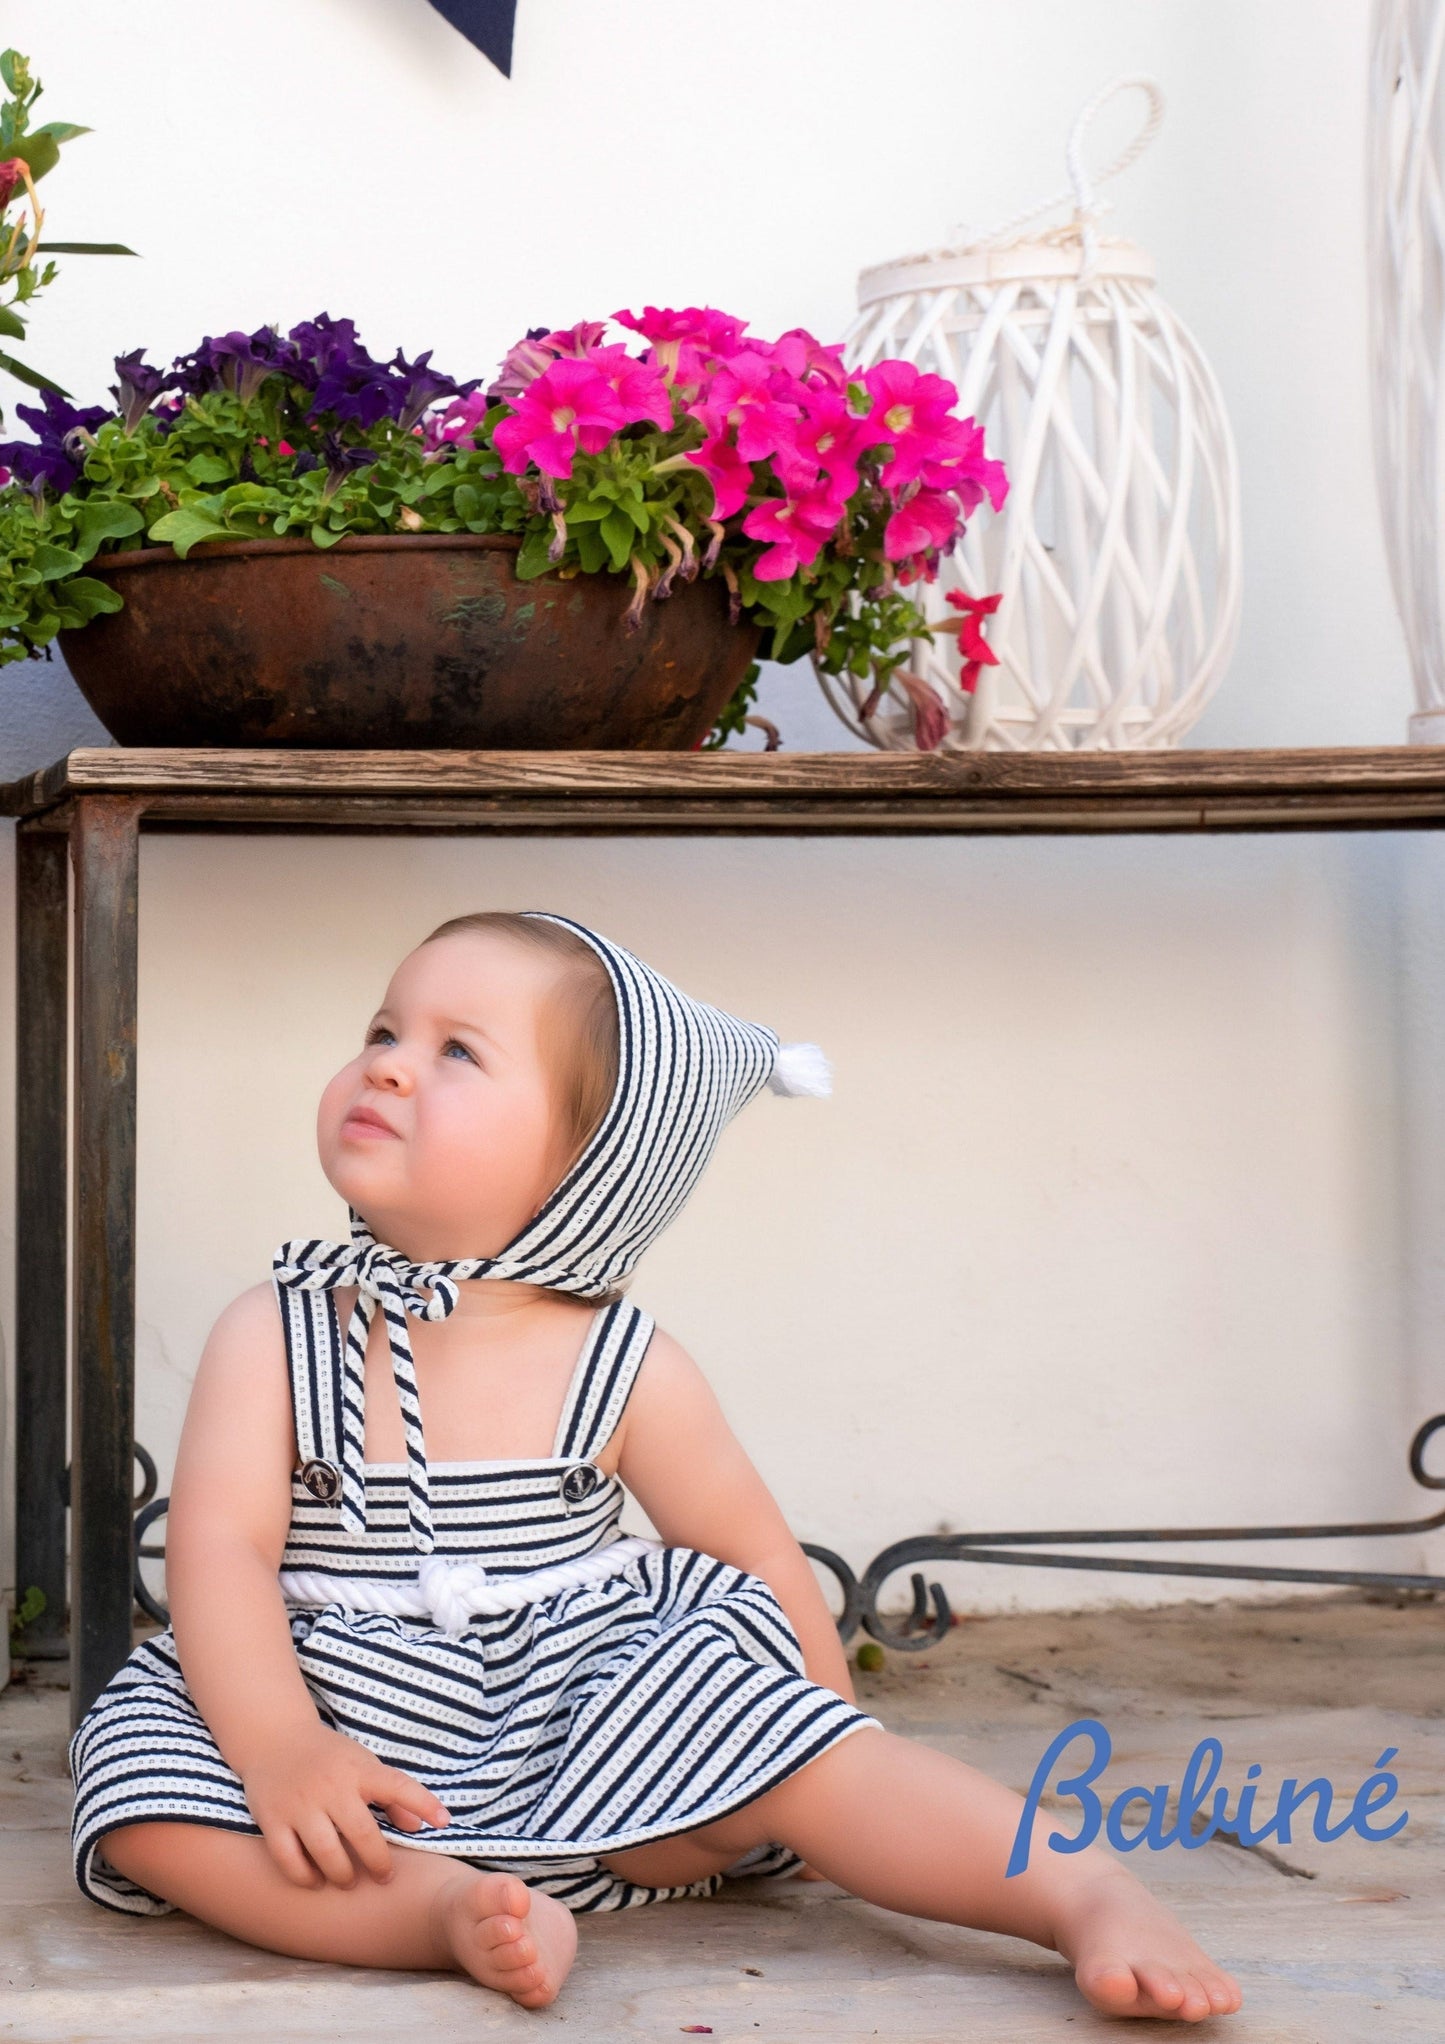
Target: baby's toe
<point>513,1956</point>
<point>1173,1992</point>
<point>1196,2004</point>
<point>494,1933</point>
<point>1225,1995</point>
<point>1110,1984</point>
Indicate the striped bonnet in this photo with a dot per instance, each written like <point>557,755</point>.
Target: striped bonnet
<point>684,1070</point>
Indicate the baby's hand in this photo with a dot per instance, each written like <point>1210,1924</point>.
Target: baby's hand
<point>312,1798</point>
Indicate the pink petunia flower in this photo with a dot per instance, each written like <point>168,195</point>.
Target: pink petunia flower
<point>754,400</point>
<point>687,345</point>
<point>926,522</point>
<point>797,528</point>
<point>638,386</point>
<point>731,477</point>
<point>574,340</point>
<point>719,332</point>
<point>802,354</point>
<point>968,471</point>
<point>828,438</point>
<point>913,413</point>
<point>570,406</point>
<point>458,422</point>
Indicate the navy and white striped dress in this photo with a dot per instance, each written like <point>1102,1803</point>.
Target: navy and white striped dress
<point>630,1709</point>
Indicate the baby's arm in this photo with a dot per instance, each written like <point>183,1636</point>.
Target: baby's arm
<point>688,1471</point>
<point>230,1508</point>
<point>226,1527</point>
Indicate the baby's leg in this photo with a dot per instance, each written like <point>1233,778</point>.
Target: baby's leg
<point>432,1912</point>
<point>893,1821</point>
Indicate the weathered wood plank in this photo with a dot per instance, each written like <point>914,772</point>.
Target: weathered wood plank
<point>104,847</point>
<point>1200,790</point>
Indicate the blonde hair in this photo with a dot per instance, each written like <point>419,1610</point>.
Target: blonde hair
<point>579,1026</point>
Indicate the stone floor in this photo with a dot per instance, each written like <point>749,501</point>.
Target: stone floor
<point>1333,1943</point>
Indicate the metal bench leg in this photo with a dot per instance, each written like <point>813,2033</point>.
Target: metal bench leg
<point>42,974</point>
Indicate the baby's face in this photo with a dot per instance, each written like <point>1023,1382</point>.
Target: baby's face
<point>452,1066</point>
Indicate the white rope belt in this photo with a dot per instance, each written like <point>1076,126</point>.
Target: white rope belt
<point>450,1593</point>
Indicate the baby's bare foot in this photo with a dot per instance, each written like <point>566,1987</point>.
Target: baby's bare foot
<point>1132,1957</point>
<point>508,1936</point>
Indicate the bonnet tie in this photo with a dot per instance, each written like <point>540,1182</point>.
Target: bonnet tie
<point>382,1277</point>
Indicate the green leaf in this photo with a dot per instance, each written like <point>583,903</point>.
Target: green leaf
<point>184,529</point>
<point>62,131</point>
<point>38,152</point>
<point>54,561</point>
<point>591,549</point>
<point>617,532</point>
<point>87,248</point>
<point>209,468</point>
<point>32,377</point>
<point>11,325</point>
<point>322,535</point>
<point>51,562</point>
<point>90,598</point>
<point>99,521</point>
<point>532,555</point>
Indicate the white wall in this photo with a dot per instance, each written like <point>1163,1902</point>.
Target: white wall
<point>1125,1206</point>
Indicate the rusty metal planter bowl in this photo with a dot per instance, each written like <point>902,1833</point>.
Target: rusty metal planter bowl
<point>424,640</point>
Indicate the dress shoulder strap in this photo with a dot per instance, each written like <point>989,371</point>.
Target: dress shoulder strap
<point>313,1355</point>
<point>603,1378</point>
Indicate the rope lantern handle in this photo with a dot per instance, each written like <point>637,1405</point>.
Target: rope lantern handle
<point>1088,207</point>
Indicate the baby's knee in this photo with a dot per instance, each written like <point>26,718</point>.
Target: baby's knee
<point>140,1851</point>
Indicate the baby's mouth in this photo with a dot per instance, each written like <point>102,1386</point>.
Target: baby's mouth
<point>363,1121</point>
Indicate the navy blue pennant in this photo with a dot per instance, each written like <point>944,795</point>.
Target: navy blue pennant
<point>487,23</point>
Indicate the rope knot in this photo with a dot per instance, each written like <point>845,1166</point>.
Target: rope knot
<point>383,1272</point>
<point>446,1588</point>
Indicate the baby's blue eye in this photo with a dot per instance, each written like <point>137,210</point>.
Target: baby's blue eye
<point>381,1030</point>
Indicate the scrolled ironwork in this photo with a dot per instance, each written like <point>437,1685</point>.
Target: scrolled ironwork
<point>145,1518</point>
<point>848,1618</point>
<point>993,1548</point>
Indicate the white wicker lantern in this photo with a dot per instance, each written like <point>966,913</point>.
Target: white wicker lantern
<point>1117,551</point>
<point>1406,244</point>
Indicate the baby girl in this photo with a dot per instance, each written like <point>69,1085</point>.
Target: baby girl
<point>382,1638</point>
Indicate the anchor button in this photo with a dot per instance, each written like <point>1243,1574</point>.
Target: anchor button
<point>579,1482</point>
<point>322,1479</point>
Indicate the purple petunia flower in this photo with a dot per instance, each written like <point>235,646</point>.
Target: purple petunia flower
<point>236,362</point>
<point>52,460</point>
<point>341,461</point>
<point>345,380</point>
<point>139,386</point>
<point>416,387</point>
